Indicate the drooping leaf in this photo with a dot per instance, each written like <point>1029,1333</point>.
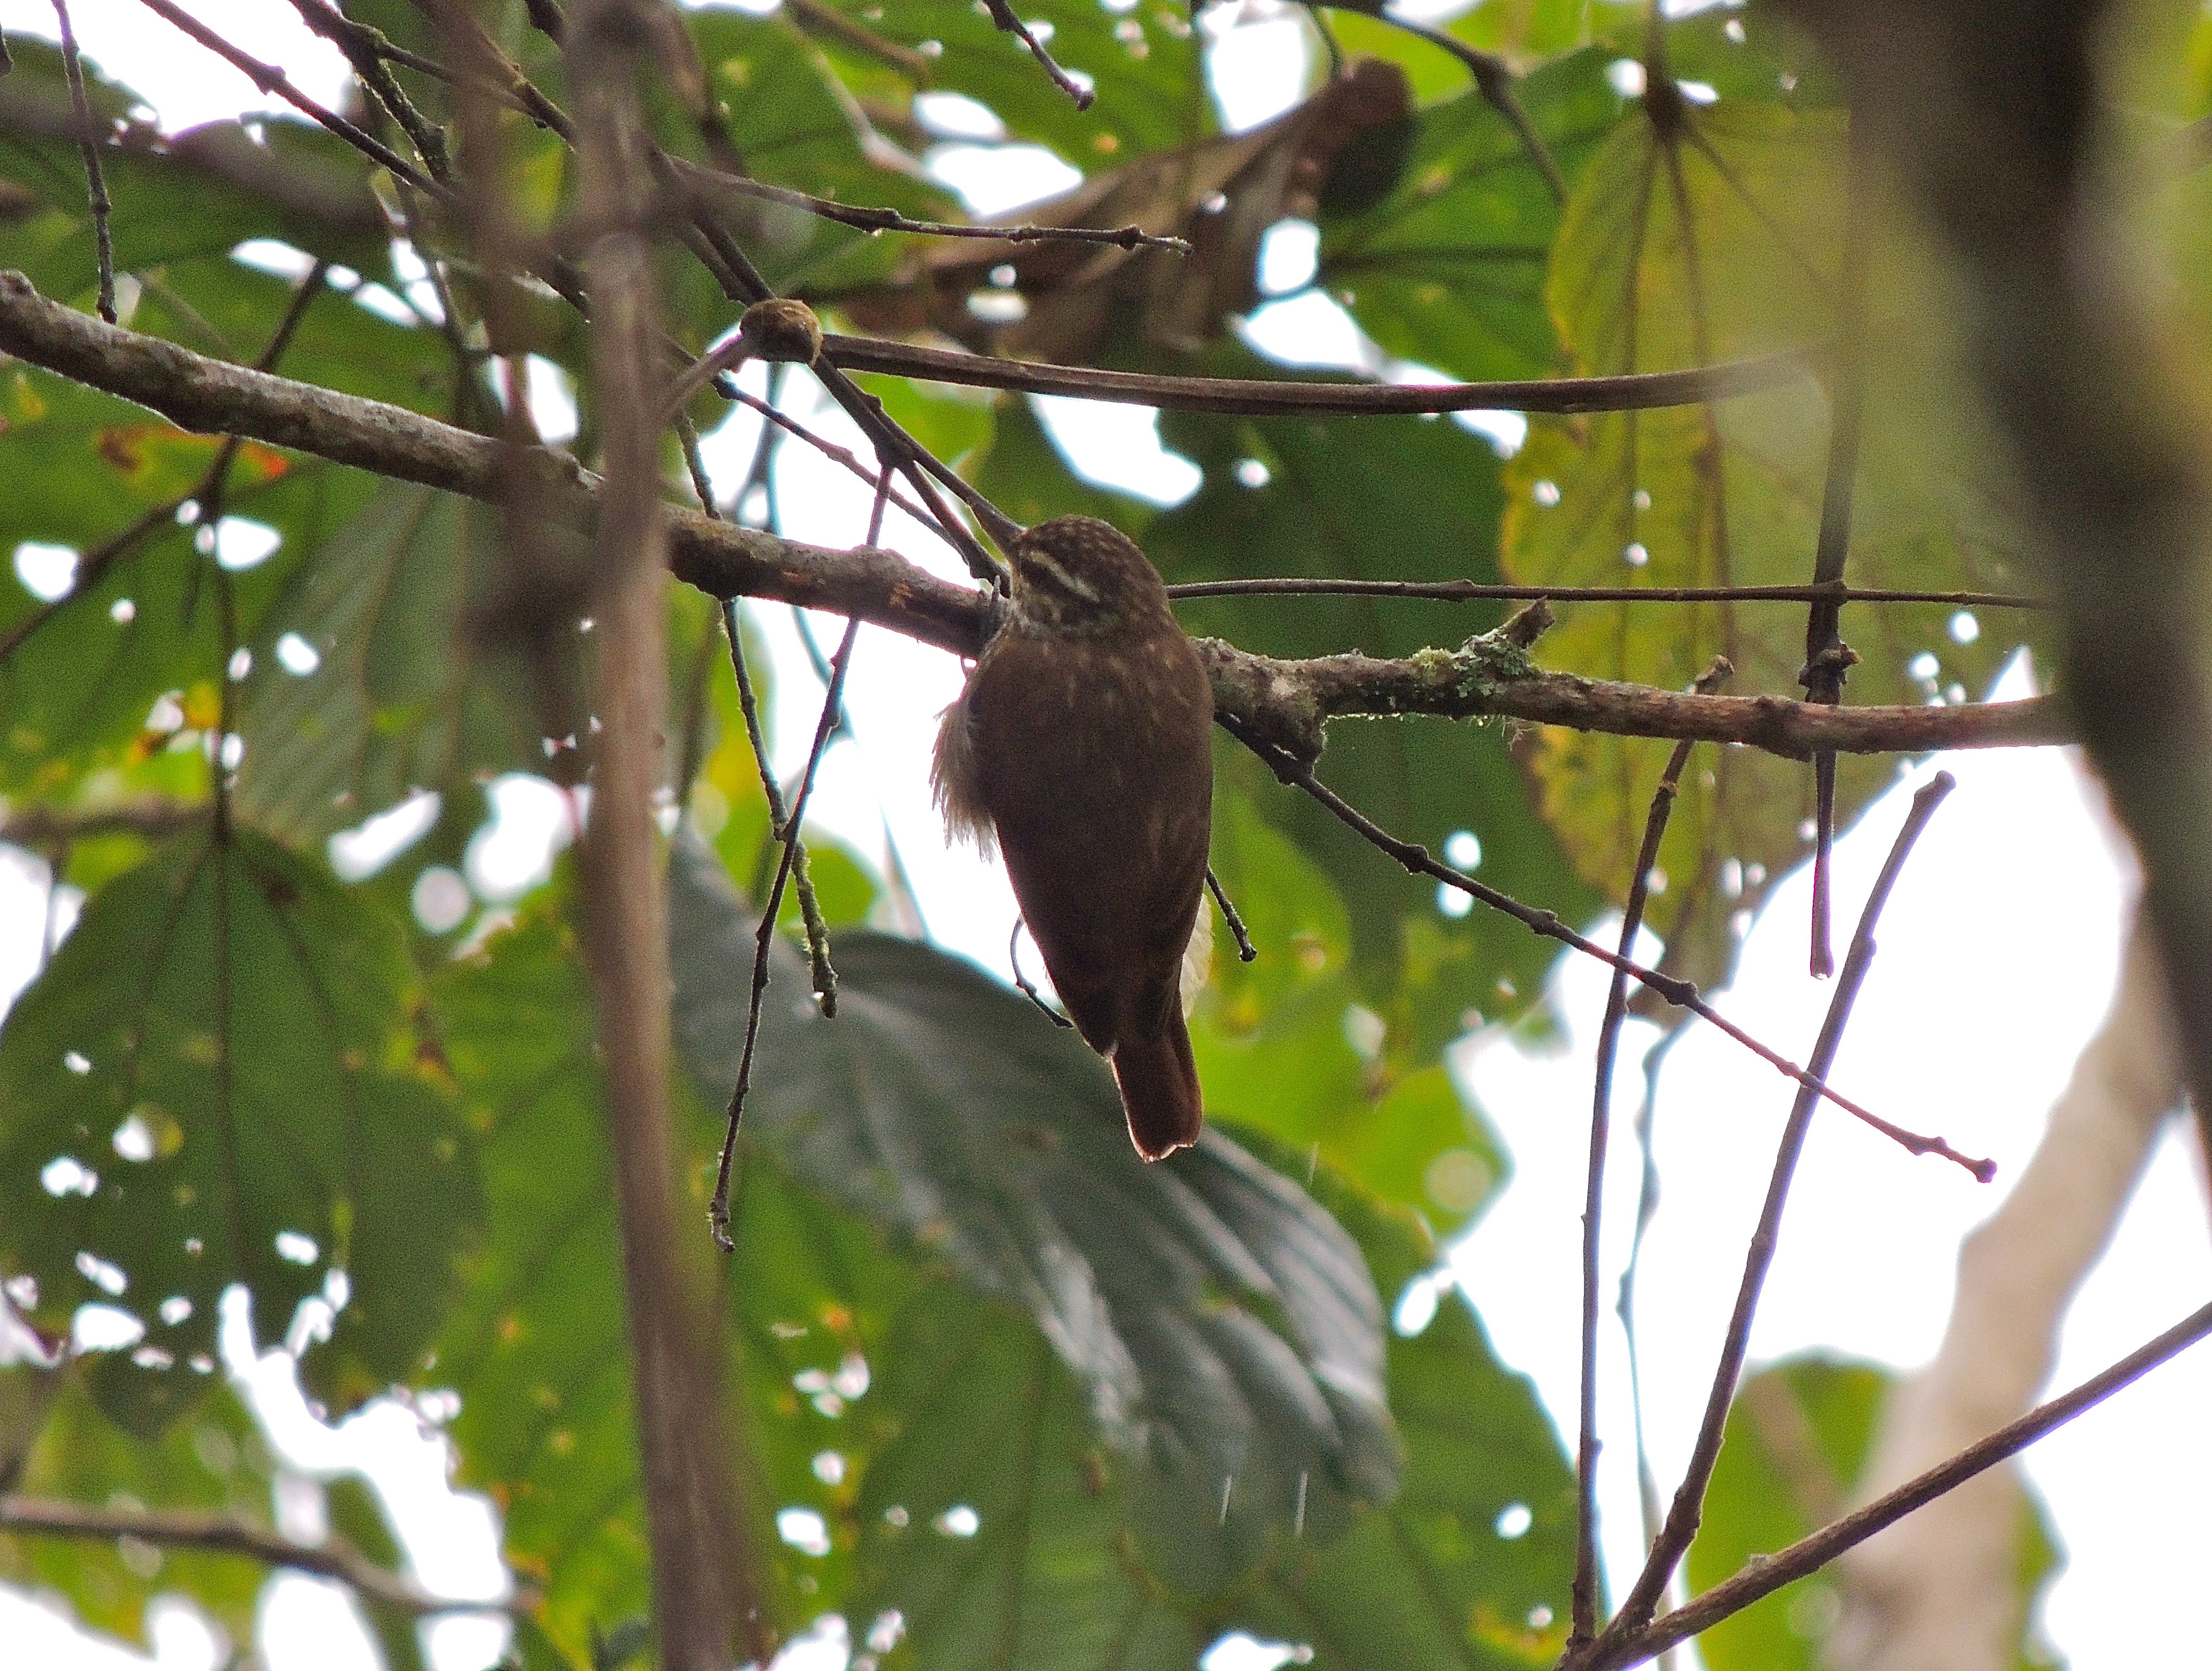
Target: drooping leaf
<point>1468,1565</point>
<point>1224,1328</point>
<point>221,1079</point>
<point>199,193</point>
<point>1797,1440</point>
<point>413,684</point>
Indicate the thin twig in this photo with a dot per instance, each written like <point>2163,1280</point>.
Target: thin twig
<point>1647,1207</point>
<point>1674,989</point>
<point>1476,592</point>
<point>1002,15</point>
<point>366,50</point>
<point>1829,659</point>
<point>1255,397</point>
<point>87,145</point>
<point>704,182</point>
<point>271,80</point>
<point>1245,953</point>
<point>185,1528</point>
<point>1767,1574</point>
<point>1494,80</point>
<point>718,1210</point>
<point>1026,987</point>
<point>1683,1518</point>
<point>1608,1044</point>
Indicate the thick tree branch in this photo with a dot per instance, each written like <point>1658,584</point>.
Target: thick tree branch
<point>1286,703</point>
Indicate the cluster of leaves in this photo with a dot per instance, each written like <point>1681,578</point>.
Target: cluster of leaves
<point>259,1074</point>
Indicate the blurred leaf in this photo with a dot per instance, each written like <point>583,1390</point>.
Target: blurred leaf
<point>255,1103</point>
<point>1681,248</point>
<point>198,193</point>
<point>216,1461</point>
<point>1143,63</point>
<point>1448,270</point>
<point>413,685</point>
<point>1274,1039</point>
<point>79,674</point>
<point>1441,1576</point>
<point>357,1513</point>
<point>1220,195</point>
<point>1223,1327</point>
<point>1797,1439</point>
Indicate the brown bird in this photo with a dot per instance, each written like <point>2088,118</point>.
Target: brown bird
<point>1082,746</point>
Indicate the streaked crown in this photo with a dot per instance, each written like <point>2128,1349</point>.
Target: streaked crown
<point>1076,575</point>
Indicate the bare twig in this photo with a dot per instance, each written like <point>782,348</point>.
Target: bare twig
<point>1477,591</point>
<point>1245,952</point>
<point>271,80</point>
<point>1828,657</point>
<point>1769,1573</point>
<point>366,50</point>
<point>1608,1044</point>
<point>718,1210</point>
<point>1251,396</point>
<point>1683,1518</point>
<point>87,145</point>
<point>1002,15</point>
<point>1026,987</point>
<point>1674,989</point>
<point>185,1529</point>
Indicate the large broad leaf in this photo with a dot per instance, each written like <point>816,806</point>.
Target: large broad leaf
<point>1706,238</point>
<point>80,674</point>
<point>1284,1046</point>
<point>200,193</point>
<point>1448,270</point>
<point>219,1079</point>
<point>56,1444</point>
<point>1797,1439</point>
<point>1224,1329</point>
<point>409,683</point>
<point>1468,1566</point>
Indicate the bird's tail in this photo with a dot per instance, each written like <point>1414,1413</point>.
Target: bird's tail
<point>1159,1088</point>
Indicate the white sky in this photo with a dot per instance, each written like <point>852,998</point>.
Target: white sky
<point>1997,960</point>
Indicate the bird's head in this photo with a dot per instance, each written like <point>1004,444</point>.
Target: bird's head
<point>1076,576</point>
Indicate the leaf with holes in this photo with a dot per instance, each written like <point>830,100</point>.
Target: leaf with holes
<point>1223,1328</point>
<point>252,1102</point>
<point>1709,235</point>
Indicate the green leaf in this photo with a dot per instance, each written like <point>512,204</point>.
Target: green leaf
<point>1797,1440</point>
<point>413,688</point>
<point>1686,247</point>
<point>1438,1576</point>
<point>198,193</point>
<point>66,1448</point>
<point>1448,270</point>
<point>1273,1040</point>
<point>1224,1328</point>
<point>1143,64</point>
<point>80,674</point>
<point>251,1102</point>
